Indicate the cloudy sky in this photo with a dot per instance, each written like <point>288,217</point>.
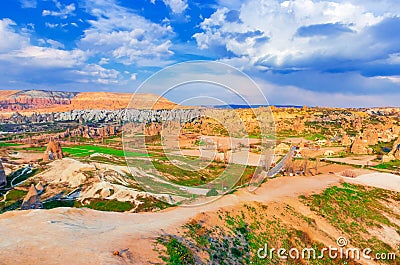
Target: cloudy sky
<point>314,52</point>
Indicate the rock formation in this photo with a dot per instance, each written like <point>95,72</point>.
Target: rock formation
<point>31,200</point>
<point>110,116</point>
<point>53,151</point>
<point>33,99</point>
<point>360,146</point>
<point>394,154</point>
<point>357,124</point>
<point>3,178</point>
<point>346,141</point>
<point>371,136</point>
<point>57,101</point>
<point>298,125</point>
<point>39,187</point>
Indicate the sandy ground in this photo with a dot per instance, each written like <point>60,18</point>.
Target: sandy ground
<point>66,170</point>
<point>83,236</point>
<point>229,142</point>
<point>26,157</point>
<point>379,180</point>
<point>356,160</point>
<point>320,152</point>
<point>239,157</point>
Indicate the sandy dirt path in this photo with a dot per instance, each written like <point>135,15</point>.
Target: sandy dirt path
<point>83,236</point>
<point>379,180</point>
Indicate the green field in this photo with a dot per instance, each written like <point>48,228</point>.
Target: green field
<point>5,144</point>
<point>18,177</point>
<point>109,205</point>
<point>392,165</point>
<point>12,200</point>
<point>87,150</point>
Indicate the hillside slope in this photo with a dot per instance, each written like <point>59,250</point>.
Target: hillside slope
<point>57,101</point>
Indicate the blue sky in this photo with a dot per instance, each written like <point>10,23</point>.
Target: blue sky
<point>313,52</point>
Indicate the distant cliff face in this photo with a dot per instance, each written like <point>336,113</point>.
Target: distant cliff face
<point>57,101</point>
<point>31,99</point>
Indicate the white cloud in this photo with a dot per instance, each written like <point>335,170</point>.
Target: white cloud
<point>16,48</point>
<point>45,57</point>
<point>104,61</point>
<point>28,3</point>
<point>177,6</point>
<point>267,31</point>
<point>393,79</point>
<point>51,25</point>
<point>63,11</point>
<point>10,39</point>
<point>55,44</point>
<point>126,37</point>
<point>96,73</point>
<point>55,25</point>
<point>133,76</point>
<point>23,64</point>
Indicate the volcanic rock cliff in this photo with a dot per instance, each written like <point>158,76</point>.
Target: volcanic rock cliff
<point>42,101</point>
<point>31,99</point>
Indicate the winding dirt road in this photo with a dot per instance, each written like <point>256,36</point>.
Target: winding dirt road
<point>84,236</point>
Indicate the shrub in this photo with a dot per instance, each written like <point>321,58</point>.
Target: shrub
<point>212,192</point>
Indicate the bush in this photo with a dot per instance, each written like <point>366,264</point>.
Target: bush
<point>178,253</point>
<point>349,173</point>
<point>212,192</point>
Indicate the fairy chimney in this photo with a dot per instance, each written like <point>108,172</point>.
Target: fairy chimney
<point>371,136</point>
<point>39,187</point>
<point>3,179</point>
<point>396,149</point>
<point>31,200</point>
<point>53,151</point>
<point>346,141</point>
<point>298,125</point>
<point>360,146</point>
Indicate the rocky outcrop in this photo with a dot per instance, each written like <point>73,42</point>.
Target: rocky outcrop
<point>31,200</point>
<point>109,116</point>
<point>3,178</point>
<point>115,101</point>
<point>357,124</point>
<point>371,136</point>
<point>360,146</point>
<point>33,99</point>
<point>298,125</point>
<point>394,154</point>
<point>53,151</point>
<point>39,187</point>
<point>345,141</point>
<point>57,101</point>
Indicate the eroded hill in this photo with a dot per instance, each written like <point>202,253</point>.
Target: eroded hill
<point>42,101</point>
